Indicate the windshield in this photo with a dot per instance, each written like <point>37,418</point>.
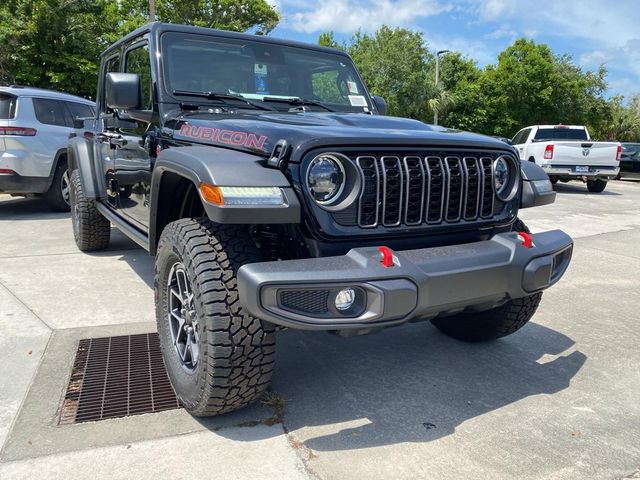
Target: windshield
<point>261,71</point>
<point>561,134</point>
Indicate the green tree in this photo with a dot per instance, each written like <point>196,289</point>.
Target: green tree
<point>622,121</point>
<point>327,39</point>
<point>530,85</point>
<point>459,79</point>
<point>394,65</point>
<point>57,43</point>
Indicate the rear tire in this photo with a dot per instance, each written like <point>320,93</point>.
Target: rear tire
<point>496,322</point>
<point>91,231</point>
<point>596,186</point>
<point>57,197</point>
<point>230,355</point>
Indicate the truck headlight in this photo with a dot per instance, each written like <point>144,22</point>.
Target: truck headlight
<point>220,195</point>
<point>326,178</point>
<point>505,178</point>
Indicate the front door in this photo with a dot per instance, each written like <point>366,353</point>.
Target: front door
<point>132,159</point>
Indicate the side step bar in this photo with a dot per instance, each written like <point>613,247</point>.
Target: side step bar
<point>125,227</point>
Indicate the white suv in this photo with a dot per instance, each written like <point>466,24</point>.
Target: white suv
<point>34,131</point>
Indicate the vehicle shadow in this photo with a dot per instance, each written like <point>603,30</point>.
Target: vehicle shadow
<point>579,189</point>
<point>410,384</point>
<point>26,208</point>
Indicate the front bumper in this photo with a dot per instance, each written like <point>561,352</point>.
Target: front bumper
<point>421,284</point>
<point>570,171</point>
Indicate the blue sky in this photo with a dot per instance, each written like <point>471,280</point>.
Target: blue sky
<point>593,32</point>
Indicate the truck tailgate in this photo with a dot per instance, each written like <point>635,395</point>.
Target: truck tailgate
<point>585,153</point>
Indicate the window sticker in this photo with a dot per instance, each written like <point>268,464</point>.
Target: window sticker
<point>353,87</point>
<point>357,101</point>
<point>260,73</point>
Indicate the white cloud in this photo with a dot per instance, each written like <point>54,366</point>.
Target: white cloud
<point>475,49</point>
<point>495,9</point>
<point>597,20</point>
<point>594,58</point>
<point>607,31</point>
<point>503,31</point>
<point>347,16</point>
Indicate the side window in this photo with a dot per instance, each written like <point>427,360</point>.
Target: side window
<point>80,110</point>
<point>51,112</point>
<point>7,106</point>
<point>516,138</point>
<point>111,65</point>
<point>138,61</point>
<point>521,136</point>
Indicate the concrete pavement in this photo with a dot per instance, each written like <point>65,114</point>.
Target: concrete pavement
<point>559,399</point>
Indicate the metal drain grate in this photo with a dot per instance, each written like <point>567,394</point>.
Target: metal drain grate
<point>115,377</point>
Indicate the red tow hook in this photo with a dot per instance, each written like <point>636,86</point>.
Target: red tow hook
<point>527,239</point>
<point>387,257</point>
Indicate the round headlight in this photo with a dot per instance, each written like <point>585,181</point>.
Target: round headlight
<point>501,176</point>
<point>325,178</point>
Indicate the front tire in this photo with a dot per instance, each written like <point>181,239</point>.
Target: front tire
<point>596,186</point>
<point>91,230</point>
<point>497,322</point>
<point>218,357</point>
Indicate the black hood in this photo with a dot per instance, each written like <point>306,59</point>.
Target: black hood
<point>259,132</point>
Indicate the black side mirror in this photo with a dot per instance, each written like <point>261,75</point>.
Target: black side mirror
<point>381,104</point>
<point>122,91</point>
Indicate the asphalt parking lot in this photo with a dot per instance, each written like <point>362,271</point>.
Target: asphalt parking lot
<point>558,400</point>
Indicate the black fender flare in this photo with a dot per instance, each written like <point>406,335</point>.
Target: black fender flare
<point>80,156</point>
<point>229,168</point>
<point>535,192</point>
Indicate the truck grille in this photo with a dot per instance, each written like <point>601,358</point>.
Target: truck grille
<point>412,190</point>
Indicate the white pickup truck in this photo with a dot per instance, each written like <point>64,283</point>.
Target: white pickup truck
<point>566,152</point>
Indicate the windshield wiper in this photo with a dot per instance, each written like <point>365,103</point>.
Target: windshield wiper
<point>298,101</point>
<point>220,96</point>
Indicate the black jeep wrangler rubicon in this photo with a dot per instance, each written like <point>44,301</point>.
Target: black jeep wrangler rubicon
<point>273,191</point>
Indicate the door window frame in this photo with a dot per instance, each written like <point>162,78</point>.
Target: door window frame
<point>134,45</point>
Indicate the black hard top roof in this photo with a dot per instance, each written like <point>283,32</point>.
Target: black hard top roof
<point>157,28</point>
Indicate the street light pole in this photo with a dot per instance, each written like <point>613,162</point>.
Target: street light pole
<point>152,10</point>
<point>435,110</point>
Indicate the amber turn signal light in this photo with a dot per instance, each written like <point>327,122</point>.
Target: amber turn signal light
<point>211,193</point>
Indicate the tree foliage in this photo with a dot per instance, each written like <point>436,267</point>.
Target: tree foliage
<point>529,84</point>
<point>393,64</point>
<point>56,43</point>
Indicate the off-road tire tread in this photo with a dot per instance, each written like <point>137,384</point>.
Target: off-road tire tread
<point>239,350</point>
<point>94,229</point>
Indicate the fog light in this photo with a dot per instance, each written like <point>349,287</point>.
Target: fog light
<point>345,298</point>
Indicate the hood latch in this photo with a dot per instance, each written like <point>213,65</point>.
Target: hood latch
<point>279,155</point>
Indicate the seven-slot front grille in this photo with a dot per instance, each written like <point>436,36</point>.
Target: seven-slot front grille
<point>413,190</point>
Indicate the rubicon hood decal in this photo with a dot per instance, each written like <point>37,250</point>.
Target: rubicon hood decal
<point>225,137</point>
